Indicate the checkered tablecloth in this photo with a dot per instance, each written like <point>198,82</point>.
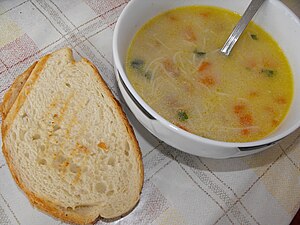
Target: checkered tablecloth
<point>179,188</point>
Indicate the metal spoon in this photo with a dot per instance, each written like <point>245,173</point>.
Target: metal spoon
<point>241,25</point>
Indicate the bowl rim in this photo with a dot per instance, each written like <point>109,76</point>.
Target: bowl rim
<point>119,67</point>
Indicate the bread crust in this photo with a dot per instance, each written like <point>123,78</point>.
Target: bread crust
<point>13,92</point>
<point>21,97</point>
<point>10,107</point>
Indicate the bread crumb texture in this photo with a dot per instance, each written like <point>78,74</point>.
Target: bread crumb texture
<point>71,145</point>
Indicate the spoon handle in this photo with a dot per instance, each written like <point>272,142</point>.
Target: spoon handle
<point>241,25</point>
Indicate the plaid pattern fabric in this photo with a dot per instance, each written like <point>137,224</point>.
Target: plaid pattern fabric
<point>179,188</point>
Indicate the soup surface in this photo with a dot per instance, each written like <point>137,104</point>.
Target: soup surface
<point>174,65</point>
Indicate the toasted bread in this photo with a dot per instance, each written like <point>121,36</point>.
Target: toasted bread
<point>68,143</point>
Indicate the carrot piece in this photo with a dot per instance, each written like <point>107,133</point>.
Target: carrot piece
<point>269,63</point>
<point>189,34</point>
<point>253,94</point>
<point>238,109</point>
<point>246,120</point>
<point>170,67</point>
<point>251,63</point>
<point>173,18</point>
<point>205,14</point>
<point>245,132</point>
<point>275,122</point>
<point>203,66</point>
<point>281,100</point>
<point>208,80</point>
<point>269,109</point>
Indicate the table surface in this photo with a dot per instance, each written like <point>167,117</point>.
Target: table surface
<point>294,5</point>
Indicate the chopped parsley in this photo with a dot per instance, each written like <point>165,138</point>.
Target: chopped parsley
<point>148,75</point>
<point>182,116</point>
<point>254,37</point>
<point>199,53</point>
<point>268,72</point>
<point>137,64</point>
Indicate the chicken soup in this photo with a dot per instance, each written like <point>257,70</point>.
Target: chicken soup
<point>175,65</point>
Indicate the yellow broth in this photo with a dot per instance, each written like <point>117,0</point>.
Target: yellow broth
<point>174,65</point>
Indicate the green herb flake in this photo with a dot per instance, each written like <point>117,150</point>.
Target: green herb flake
<point>268,72</point>
<point>254,37</point>
<point>148,75</point>
<point>182,116</point>
<point>137,64</point>
<point>199,53</point>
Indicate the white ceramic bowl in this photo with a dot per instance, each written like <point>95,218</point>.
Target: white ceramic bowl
<point>273,16</point>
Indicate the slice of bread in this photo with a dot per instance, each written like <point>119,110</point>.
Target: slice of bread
<point>68,143</point>
<point>13,92</point>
